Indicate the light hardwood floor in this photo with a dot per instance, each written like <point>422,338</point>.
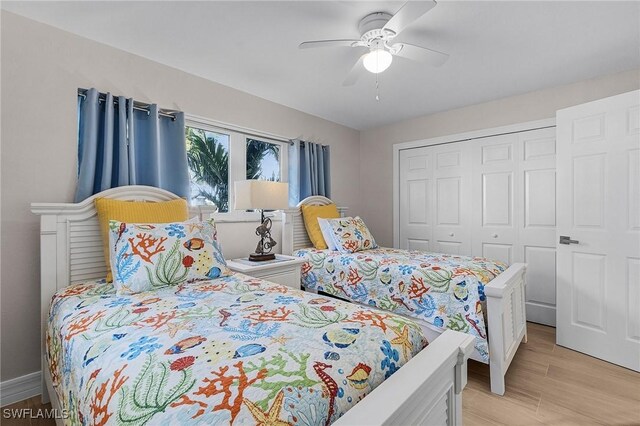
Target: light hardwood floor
<point>549,384</point>
<point>546,384</point>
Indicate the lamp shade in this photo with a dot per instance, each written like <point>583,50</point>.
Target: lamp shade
<point>261,194</point>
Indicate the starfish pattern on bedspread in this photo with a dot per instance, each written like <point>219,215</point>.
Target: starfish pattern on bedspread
<point>233,350</point>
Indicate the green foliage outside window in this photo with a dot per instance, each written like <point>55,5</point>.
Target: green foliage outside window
<point>208,159</point>
<point>209,165</point>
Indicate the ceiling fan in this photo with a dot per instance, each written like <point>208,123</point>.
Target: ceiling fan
<point>377,31</point>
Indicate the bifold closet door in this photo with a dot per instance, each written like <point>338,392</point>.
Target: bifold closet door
<point>492,197</point>
<point>536,207</point>
<point>494,231</point>
<point>452,197</point>
<point>416,199</point>
<point>435,194</point>
<point>514,181</point>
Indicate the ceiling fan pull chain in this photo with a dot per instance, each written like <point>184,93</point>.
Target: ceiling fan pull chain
<point>377,89</point>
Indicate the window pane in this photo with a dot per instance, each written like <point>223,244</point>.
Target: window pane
<point>208,157</point>
<point>263,160</point>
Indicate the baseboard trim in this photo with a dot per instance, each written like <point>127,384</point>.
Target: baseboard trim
<point>20,388</point>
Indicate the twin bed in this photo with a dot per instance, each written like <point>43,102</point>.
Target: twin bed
<point>477,296</point>
<point>233,349</point>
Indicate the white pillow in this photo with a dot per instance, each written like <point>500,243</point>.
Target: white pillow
<point>327,233</point>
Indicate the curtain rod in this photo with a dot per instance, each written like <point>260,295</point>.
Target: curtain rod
<point>140,106</point>
<point>291,142</point>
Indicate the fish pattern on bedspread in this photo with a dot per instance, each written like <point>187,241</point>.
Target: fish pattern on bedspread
<point>234,350</point>
<point>444,290</point>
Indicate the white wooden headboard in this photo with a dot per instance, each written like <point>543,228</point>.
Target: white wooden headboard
<point>71,248</point>
<point>294,233</point>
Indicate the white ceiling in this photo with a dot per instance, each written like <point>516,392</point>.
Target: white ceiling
<point>497,49</point>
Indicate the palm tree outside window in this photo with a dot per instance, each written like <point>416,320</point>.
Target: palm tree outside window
<point>209,155</point>
<point>263,160</point>
<point>208,159</point>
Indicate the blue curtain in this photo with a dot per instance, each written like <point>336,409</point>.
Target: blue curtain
<point>119,145</point>
<point>309,170</point>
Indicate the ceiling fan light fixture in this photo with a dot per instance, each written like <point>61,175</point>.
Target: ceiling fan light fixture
<point>377,60</point>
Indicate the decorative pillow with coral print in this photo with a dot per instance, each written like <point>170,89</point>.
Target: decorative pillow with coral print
<point>350,234</point>
<point>149,256</point>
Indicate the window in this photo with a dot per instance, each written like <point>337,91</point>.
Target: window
<point>218,157</point>
<point>208,158</point>
<point>263,160</point>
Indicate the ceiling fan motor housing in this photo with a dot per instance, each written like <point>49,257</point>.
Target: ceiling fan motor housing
<point>371,27</point>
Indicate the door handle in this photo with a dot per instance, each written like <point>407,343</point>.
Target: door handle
<point>567,240</point>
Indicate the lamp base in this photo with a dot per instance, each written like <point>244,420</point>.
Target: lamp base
<point>257,257</point>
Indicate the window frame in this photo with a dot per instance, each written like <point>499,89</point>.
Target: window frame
<point>238,161</point>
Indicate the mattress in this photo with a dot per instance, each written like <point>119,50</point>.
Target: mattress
<point>233,350</point>
<point>442,290</point>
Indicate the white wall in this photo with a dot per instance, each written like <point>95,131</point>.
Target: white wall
<point>42,68</point>
<point>376,145</point>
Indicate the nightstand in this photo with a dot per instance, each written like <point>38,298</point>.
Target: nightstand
<point>283,270</point>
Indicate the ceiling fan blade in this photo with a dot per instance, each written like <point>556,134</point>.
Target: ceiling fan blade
<point>408,13</point>
<point>421,54</point>
<point>355,72</point>
<point>328,43</point>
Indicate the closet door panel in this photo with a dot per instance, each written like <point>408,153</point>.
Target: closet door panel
<point>448,216</point>
<point>448,201</point>
<point>541,283</point>
<point>452,183</point>
<point>537,211</point>
<point>421,245</point>
<point>494,232</point>
<point>497,199</point>
<point>416,199</point>
<point>497,251</point>
<point>539,198</point>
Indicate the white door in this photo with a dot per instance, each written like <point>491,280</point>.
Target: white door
<point>452,196</point>
<point>435,190</point>
<point>514,210</point>
<point>598,289</point>
<point>536,207</point>
<point>495,225</point>
<point>416,199</point>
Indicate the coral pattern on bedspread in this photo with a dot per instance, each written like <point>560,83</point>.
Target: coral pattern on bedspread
<point>444,290</point>
<point>234,350</point>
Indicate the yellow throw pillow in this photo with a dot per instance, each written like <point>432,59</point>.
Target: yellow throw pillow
<point>136,212</point>
<point>310,214</point>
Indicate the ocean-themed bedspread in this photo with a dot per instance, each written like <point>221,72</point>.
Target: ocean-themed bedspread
<point>446,291</point>
<point>234,350</point>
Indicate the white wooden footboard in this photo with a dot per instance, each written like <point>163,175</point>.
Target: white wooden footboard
<point>426,391</point>
<point>507,321</point>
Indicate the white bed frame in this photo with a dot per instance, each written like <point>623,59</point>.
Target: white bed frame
<point>427,390</point>
<point>507,325</point>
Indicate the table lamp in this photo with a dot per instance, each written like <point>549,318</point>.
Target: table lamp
<point>262,195</point>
